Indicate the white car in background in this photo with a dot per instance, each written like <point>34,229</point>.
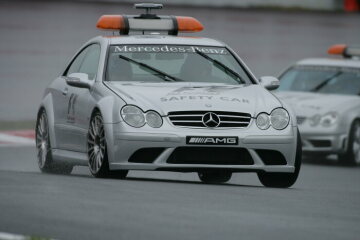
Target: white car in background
<point>325,95</point>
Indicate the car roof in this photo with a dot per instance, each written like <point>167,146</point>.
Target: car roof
<point>331,62</point>
<point>163,39</point>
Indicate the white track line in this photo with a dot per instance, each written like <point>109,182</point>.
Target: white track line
<point>11,140</point>
<point>10,236</point>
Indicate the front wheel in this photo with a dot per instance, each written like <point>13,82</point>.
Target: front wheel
<point>43,147</point>
<point>283,180</point>
<point>97,150</point>
<point>215,176</point>
<point>352,154</point>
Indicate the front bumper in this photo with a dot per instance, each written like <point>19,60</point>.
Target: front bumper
<point>323,143</point>
<point>321,140</point>
<point>127,141</point>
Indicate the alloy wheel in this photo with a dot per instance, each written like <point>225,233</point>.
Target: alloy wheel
<point>42,140</point>
<point>96,144</point>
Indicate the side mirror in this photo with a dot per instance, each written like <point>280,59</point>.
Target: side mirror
<point>80,80</point>
<point>270,83</point>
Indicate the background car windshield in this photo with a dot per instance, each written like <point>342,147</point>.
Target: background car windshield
<point>180,62</point>
<point>322,80</point>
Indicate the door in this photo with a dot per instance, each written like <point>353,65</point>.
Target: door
<point>61,98</point>
<point>80,103</point>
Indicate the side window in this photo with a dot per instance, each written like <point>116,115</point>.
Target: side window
<point>91,61</point>
<point>75,65</point>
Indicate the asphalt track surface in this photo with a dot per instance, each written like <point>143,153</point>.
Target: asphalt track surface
<point>323,204</point>
<point>38,38</point>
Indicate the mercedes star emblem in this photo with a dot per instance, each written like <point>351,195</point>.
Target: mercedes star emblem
<point>211,120</point>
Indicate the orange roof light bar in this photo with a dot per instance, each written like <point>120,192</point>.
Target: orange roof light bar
<point>111,22</point>
<point>338,49</point>
<point>170,24</point>
<point>188,24</point>
<point>149,22</point>
<point>345,51</point>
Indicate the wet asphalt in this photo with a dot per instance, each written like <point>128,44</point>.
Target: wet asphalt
<point>323,204</point>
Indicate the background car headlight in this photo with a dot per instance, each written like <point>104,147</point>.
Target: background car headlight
<point>263,121</point>
<point>314,120</point>
<point>326,120</point>
<point>279,118</point>
<point>153,119</point>
<point>133,116</point>
<point>329,119</point>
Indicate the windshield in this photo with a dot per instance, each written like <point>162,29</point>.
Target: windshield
<point>332,80</point>
<point>173,63</point>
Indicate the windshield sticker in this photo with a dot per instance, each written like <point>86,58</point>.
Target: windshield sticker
<point>184,98</point>
<point>168,49</point>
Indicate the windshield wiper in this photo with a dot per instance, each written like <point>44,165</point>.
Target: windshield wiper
<point>165,76</point>
<point>222,67</point>
<point>325,82</point>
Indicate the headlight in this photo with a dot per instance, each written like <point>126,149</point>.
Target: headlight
<point>133,116</point>
<point>153,119</point>
<point>326,120</point>
<point>329,119</point>
<point>279,118</point>
<point>263,121</point>
<point>314,120</point>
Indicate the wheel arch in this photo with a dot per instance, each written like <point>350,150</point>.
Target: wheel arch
<point>109,108</point>
<point>357,118</point>
<point>48,106</point>
<point>352,116</point>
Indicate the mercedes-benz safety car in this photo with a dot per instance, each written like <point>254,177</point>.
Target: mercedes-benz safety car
<point>148,99</point>
<point>325,95</point>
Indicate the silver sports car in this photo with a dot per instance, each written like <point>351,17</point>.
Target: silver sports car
<point>151,100</point>
<point>325,95</point>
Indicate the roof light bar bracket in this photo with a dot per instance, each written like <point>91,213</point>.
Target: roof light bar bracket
<point>175,30</point>
<point>126,29</point>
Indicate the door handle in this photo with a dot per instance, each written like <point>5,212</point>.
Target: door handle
<point>65,91</point>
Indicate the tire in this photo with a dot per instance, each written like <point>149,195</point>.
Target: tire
<point>215,176</point>
<point>352,155</point>
<point>283,180</point>
<point>43,147</point>
<point>97,150</point>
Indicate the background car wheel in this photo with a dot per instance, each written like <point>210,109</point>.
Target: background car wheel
<point>352,154</point>
<point>43,147</point>
<point>215,176</point>
<point>283,180</point>
<point>97,150</point>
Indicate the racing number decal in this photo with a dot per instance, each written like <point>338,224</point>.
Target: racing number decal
<point>71,108</point>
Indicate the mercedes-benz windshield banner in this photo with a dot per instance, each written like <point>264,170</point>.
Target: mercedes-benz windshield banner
<point>168,49</point>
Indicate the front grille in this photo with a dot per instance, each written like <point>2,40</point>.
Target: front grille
<point>195,119</point>
<point>300,119</point>
<point>210,155</point>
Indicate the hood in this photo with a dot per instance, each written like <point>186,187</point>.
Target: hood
<point>308,104</point>
<point>175,96</point>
